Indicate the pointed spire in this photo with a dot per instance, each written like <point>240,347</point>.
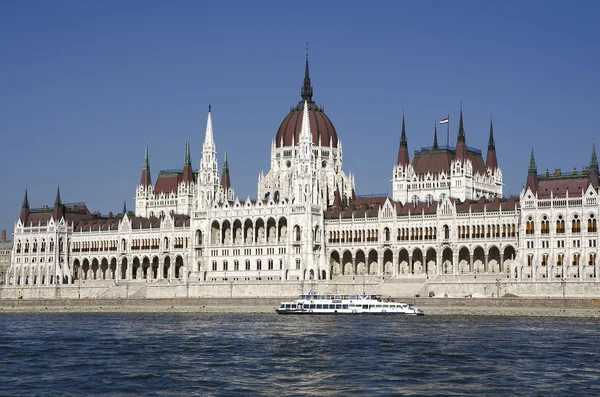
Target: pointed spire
<point>124,207</point>
<point>226,179</point>
<point>491,161</point>
<point>491,143</point>
<point>593,175</point>
<point>532,167</point>
<point>57,200</point>
<point>594,159</point>
<point>435,141</point>
<point>461,144</point>
<point>24,209</point>
<point>307,90</point>
<point>225,163</point>
<point>146,161</point>
<point>209,139</point>
<point>146,180</point>
<point>403,158</point>
<point>187,161</point>
<point>25,200</point>
<point>188,176</point>
<point>532,178</point>
<point>461,130</point>
<point>58,211</point>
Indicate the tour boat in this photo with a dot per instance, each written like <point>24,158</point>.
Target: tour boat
<point>346,304</point>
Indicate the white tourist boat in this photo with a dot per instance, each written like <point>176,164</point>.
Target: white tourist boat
<point>346,304</point>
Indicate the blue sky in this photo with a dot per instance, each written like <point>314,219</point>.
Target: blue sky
<point>84,86</point>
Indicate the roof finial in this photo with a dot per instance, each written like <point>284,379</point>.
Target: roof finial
<point>208,106</point>
<point>225,163</point>
<point>435,142</point>
<point>124,207</point>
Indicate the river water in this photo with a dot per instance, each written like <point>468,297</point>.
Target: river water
<point>270,355</point>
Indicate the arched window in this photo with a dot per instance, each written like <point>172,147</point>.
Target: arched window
<point>247,264</point>
<point>236,265</point>
<point>545,225</point>
<point>225,266</point>
<point>415,200</point>
<point>298,264</point>
<point>429,199</point>
<point>270,264</point>
<point>576,224</point>
<point>560,224</point>
<point>198,237</point>
<point>258,264</point>
<point>297,233</point>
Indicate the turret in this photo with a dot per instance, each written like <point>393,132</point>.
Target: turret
<point>146,179</point>
<point>57,213</point>
<point>461,142</point>
<point>593,175</point>
<point>188,176</point>
<point>403,158</point>
<point>225,179</point>
<point>532,180</point>
<point>24,209</point>
<point>491,162</point>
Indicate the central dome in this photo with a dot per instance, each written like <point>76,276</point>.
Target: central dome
<point>321,127</point>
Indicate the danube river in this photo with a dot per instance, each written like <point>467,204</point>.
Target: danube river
<point>270,355</point>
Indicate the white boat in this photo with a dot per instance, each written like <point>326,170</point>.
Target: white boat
<point>346,304</point>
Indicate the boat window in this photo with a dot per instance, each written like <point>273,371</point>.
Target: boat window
<point>352,297</point>
<point>282,306</point>
<point>344,306</point>
<point>306,305</point>
<point>312,306</point>
<point>293,306</point>
<point>365,306</point>
<point>338,306</point>
<point>287,306</point>
<point>319,306</point>
<point>337,297</point>
<point>332,306</point>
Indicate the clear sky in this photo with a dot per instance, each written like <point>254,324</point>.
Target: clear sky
<point>84,85</point>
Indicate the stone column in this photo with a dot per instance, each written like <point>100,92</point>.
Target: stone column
<point>485,263</point>
<point>455,263</point>
<point>379,264</point>
<point>395,263</point>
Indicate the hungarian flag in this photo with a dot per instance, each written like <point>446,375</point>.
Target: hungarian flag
<point>444,121</point>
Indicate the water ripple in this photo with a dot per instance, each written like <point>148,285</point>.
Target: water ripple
<point>269,355</point>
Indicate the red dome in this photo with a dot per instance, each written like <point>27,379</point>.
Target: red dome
<point>321,127</point>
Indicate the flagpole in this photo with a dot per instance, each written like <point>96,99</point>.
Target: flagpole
<point>448,132</point>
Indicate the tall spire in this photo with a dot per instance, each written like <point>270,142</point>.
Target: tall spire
<point>57,213</point>
<point>187,161</point>
<point>403,158</point>
<point>491,143</point>
<point>188,176</point>
<point>532,167</point>
<point>491,161</point>
<point>146,180</point>
<point>307,90</point>
<point>435,142</point>
<point>532,178</point>
<point>124,207</point>
<point>25,200</point>
<point>57,200</point>
<point>146,161</point>
<point>594,159</point>
<point>24,209</point>
<point>593,174</point>
<point>461,144</point>
<point>225,178</point>
<point>209,139</point>
<point>461,130</point>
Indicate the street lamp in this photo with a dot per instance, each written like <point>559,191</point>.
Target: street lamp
<point>563,283</point>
